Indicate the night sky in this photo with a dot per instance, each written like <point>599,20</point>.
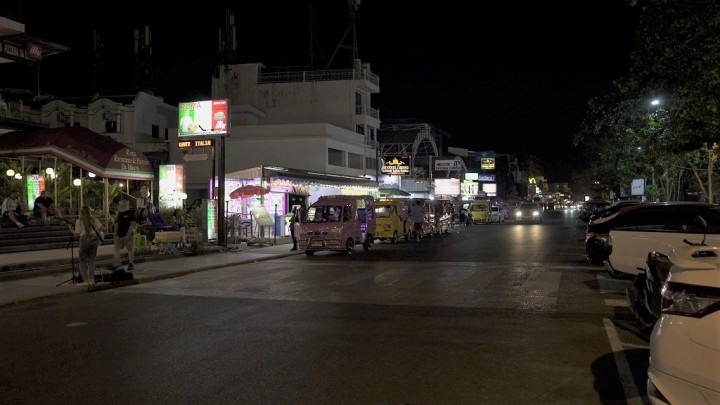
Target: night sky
<point>502,76</point>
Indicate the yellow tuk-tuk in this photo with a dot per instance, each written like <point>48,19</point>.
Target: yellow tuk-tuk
<point>479,211</point>
<point>392,219</point>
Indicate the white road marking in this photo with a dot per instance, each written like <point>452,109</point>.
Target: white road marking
<point>632,394</point>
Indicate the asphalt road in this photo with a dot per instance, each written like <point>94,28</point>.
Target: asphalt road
<point>488,314</point>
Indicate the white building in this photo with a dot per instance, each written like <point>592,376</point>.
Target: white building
<point>317,121</point>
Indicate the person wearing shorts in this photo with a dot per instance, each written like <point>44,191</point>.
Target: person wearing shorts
<point>124,234</point>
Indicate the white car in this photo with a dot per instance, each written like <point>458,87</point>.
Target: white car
<point>496,214</point>
<point>658,227</point>
<point>685,342</point>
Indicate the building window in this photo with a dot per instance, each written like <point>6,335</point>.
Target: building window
<point>358,104</point>
<point>166,134</point>
<point>371,163</point>
<point>110,126</point>
<point>336,157</point>
<point>156,132</point>
<point>360,129</point>
<point>355,161</point>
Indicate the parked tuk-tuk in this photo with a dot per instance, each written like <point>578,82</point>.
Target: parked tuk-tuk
<point>428,225</point>
<point>479,211</point>
<point>338,222</point>
<point>443,220</point>
<point>392,219</point>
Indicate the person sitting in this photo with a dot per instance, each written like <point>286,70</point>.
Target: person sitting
<point>12,209</point>
<point>144,226</point>
<point>178,221</point>
<point>45,207</point>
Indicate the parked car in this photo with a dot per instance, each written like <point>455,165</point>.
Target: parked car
<point>685,342</point>
<point>598,229</point>
<point>529,212</point>
<point>658,227</point>
<point>591,207</point>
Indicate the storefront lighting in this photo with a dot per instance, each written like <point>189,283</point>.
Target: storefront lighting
<point>50,171</point>
<point>10,173</point>
<point>91,174</point>
<point>18,176</point>
<point>77,182</point>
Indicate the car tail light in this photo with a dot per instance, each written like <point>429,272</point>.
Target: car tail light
<point>689,300</point>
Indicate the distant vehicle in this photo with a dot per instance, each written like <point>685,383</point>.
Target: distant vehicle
<point>496,214</point>
<point>529,212</point>
<point>658,227</point>
<point>685,342</point>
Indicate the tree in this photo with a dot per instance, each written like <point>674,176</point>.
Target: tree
<point>675,58</point>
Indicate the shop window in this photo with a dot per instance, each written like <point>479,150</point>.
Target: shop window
<point>336,157</point>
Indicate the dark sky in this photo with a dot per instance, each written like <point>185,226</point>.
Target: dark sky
<point>512,77</point>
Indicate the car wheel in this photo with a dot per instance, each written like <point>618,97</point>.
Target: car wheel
<point>349,246</point>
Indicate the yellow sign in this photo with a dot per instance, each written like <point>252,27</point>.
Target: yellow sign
<point>195,143</point>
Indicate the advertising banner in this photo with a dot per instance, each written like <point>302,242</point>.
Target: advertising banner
<point>202,118</point>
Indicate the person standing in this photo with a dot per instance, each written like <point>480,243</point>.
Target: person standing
<point>294,219</point>
<point>12,209</point>
<point>44,207</point>
<point>124,234</point>
<point>178,221</point>
<point>418,216</point>
<point>87,226</point>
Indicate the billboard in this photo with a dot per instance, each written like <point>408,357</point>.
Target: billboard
<point>396,165</point>
<point>202,118</point>
<point>447,186</point>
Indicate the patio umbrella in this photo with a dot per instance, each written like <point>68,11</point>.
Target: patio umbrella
<point>393,192</point>
<point>248,191</point>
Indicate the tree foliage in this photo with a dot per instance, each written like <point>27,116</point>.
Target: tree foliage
<point>675,60</point>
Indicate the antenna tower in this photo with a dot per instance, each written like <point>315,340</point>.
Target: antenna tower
<point>227,40</point>
<point>101,82</point>
<point>144,77</point>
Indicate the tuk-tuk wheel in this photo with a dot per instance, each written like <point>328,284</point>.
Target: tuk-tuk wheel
<point>349,246</point>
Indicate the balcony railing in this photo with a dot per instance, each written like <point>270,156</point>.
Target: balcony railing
<point>318,76</point>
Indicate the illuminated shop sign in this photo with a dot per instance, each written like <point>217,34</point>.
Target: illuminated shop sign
<point>195,143</point>
<point>396,165</point>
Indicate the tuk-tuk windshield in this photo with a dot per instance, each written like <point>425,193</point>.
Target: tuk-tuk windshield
<point>324,213</point>
<point>383,211</point>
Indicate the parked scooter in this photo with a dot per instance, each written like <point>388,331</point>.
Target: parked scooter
<point>644,298</point>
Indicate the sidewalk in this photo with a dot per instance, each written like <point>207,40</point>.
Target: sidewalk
<point>40,284</point>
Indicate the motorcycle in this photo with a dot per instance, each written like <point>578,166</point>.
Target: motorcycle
<point>644,297</point>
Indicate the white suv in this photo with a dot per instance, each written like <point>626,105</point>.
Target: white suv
<point>659,227</point>
<point>685,342</point>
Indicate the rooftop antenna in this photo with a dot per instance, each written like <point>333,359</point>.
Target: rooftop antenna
<point>352,31</point>
<point>101,82</point>
<point>144,78</point>
<point>227,40</point>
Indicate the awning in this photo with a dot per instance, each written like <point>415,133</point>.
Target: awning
<point>82,147</point>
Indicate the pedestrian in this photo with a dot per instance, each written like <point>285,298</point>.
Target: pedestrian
<point>418,216</point>
<point>44,206</point>
<point>88,227</point>
<point>124,234</point>
<point>294,219</point>
<point>12,209</point>
<point>178,221</point>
